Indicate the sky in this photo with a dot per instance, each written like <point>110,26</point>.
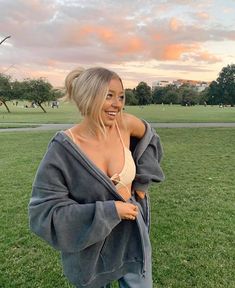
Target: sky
<point>140,40</point>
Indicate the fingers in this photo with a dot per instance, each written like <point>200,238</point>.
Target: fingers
<point>129,217</point>
<point>133,209</point>
<point>141,194</point>
<point>127,211</point>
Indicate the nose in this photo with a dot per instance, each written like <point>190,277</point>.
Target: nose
<point>116,102</point>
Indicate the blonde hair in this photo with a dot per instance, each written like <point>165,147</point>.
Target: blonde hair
<point>88,88</point>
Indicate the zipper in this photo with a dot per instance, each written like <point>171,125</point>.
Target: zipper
<point>143,249</point>
<point>144,269</point>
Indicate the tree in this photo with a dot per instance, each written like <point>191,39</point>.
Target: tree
<point>18,90</point>
<point>38,91</point>
<point>143,93</point>
<point>214,95</point>
<point>158,95</point>
<point>166,95</point>
<point>226,84</point>
<point>171,97</point>
<point>4,39</point>
<point>130,97</point>
<point>203,97</point>
<point>188,94</point>
<point>5,90</point>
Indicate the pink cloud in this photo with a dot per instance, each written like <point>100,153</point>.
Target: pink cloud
<point>207,57</point>
<point>133,45</point>
<point>51,62</point>
<point>175,24</point>
<point>175,51</point>
<point>106,34</point>
<point>27,11</point>
<point>157,37</point>
<point>203,15</point>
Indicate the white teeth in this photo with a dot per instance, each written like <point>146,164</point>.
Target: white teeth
<point>112,113</point>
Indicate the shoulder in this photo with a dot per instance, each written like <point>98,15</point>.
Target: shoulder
<point>134,125</point>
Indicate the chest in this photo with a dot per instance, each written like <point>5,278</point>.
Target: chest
<point>108,156</point>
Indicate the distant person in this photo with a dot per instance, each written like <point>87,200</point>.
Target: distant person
<point>33,104</point>
<point>89,197</point>
<point>55,104</point>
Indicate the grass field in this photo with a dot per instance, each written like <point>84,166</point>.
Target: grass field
<point>67,113</point>
<point>193,227</point>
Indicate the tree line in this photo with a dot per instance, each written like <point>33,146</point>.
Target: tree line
<point>220,92</point>
<point>37,91</point>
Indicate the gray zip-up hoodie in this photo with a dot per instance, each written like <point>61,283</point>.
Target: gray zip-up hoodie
<point>73,208</point>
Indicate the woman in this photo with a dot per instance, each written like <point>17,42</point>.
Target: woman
<point>89,196</point>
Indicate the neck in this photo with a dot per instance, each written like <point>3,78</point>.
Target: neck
<point>89,129</point>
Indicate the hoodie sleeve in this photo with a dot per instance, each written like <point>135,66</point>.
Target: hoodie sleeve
<point>147,155</point>
<point>64,223</point>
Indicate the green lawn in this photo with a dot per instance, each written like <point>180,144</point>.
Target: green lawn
<point>193,227</point>
<point>176,113</point>
<point>67,113</point>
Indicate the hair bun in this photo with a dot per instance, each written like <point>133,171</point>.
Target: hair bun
<point>69,80</point>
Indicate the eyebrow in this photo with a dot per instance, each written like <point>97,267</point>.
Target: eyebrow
<point>115,91</point>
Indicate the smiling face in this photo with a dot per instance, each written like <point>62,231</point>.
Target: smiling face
<point>113,103</point>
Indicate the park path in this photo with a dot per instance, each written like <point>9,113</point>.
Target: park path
<point>57,127</point>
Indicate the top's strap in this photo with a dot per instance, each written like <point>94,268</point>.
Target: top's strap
<point>119,133</point>
<point>72,136</point>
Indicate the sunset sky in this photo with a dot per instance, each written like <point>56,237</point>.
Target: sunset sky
<point>140,40</point>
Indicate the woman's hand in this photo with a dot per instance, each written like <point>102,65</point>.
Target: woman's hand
<point>126,211</point>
